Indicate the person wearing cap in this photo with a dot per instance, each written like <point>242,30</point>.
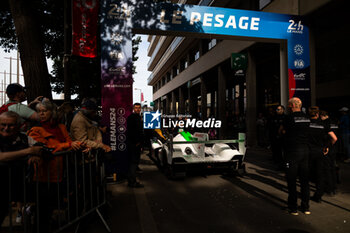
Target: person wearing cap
<point>17,94</point>
<point>83,127</point>
<point>344,127</point>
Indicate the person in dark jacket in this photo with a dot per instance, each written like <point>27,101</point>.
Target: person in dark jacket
<point>330,166</point>
<point>15,149</point>
<point>276,139</point>
<point>135,139</point>
<point>318,150</point>
<point>295,129</point>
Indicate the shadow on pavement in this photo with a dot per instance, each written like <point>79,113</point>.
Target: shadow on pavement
<point>257,192</point>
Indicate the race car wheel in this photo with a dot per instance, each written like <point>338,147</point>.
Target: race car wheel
<point>163,159</point>
<point>242,170</point>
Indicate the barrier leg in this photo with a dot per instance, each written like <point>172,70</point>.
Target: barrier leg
<point>10,199</point>
<point>77,228</point>
<point>103,220</point>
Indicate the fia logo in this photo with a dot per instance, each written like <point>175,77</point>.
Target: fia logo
<point>151,120</point>
<point>299,63</point>
<point>116,55</point>
<point>298,49</point>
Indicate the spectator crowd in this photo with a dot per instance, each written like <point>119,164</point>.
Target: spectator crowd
<point>30,135</point>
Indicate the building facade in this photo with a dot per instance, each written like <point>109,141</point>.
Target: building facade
<point>195,75</point>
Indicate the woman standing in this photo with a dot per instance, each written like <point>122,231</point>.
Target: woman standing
<point>50,170</point>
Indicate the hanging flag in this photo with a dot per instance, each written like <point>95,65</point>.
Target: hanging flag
<point>84,25</point>
<point>142,99</point>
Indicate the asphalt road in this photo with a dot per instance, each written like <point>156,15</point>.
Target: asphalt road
<point>219,204</point>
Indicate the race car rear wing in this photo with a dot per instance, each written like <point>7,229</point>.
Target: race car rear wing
<point>240,141</point>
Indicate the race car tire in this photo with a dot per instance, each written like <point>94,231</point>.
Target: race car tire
<point>242,170</point>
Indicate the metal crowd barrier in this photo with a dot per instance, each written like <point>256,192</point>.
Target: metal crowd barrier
<point>53,206</point>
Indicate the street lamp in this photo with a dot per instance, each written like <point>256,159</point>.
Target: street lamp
<point>138,89</point>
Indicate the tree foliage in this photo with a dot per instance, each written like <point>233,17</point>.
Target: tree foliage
<point>84,72</point>
<point>49,14</point>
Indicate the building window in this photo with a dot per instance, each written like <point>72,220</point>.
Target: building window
<point>169,76</point>
<point>211,44</point>
<point>182,65</point>
<point>205,2</point>
<point>196,56</point>
<point>263,3</point>
<point>175,71</point>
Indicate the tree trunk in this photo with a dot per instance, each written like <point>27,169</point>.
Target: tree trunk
<point>30,44</point>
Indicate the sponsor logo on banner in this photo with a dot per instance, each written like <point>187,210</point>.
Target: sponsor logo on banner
<point>299,63</point>
<point>298,49</point>
<point>119,11</point>
<point>117,70</point>
<point>300,76</point>
<point>113,126</point>
<point>295,27</point>
<point>122,146</point>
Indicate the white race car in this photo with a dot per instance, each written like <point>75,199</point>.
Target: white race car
<point>186,152</point>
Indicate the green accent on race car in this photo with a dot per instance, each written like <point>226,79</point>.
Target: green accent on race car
<point>187,136</point>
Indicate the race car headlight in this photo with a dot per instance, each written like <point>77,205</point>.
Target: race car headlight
<point>188,151</point>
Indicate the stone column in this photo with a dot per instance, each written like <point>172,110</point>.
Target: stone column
<point>192,102</point>
<point>284,74</point>
<point>159,107</point>
<point>251,101</point>
<point>312,68</point>
<point>173,102</point>
<point>167,104</point>
<point>222,101</point>
<point>212,104</point>
<point>182,100</point>
<point>203,98</point>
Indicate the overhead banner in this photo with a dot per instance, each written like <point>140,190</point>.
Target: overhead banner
<point>84,26</point>
<point>182,20</point>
